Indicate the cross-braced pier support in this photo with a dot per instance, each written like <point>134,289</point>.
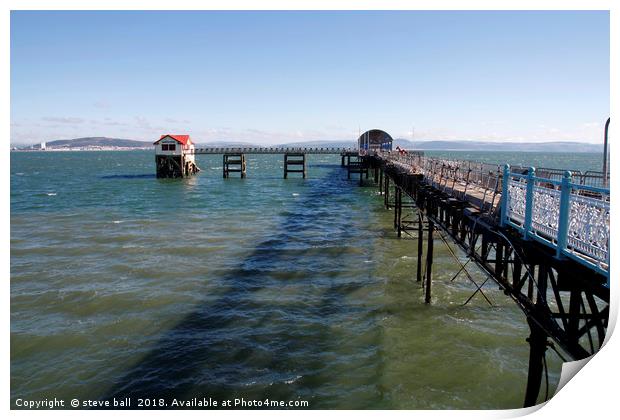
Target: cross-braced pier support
<point>294,163</point>
<point>233,163</point>
<point>174,166</point>
<point>357,165</point>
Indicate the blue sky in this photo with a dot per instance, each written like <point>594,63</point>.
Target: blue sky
<point>269,77</point>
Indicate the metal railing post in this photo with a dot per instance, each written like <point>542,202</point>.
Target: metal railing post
<point>504,204</point>
<point>529,201</point>
<point>605,176</point>
<point>563,223</point>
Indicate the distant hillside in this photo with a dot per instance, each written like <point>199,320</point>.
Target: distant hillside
<point>93,142</point>
<point>470,145</point>
<point>458,145</point>
<point>227,144</point>
<point>322,143</point>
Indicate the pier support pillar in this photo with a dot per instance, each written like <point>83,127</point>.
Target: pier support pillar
<point>400,212</point>
<point>429,262</point>
<point>294,163</point>
<point>420,246</point>
<point>386,196</point>
<point>538,346</point>
<point>538,342</point>
<point>169,166</point>
<point>380,181</point>
<point>499,259</point>
<point>395,207</point>
<point>233,163</point>
<point>357,165</point>
<point>398,197</point>
<point>361,169</point>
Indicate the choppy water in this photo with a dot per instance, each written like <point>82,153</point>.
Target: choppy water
<point>126,285</point>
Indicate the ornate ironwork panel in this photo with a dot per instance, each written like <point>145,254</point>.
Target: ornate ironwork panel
<point>546,212</point>
<point>588,231</point>
<point>516,201</point>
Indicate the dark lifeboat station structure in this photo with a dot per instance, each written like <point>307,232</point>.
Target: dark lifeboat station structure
<point>370,143</point>
<point>373,141</point>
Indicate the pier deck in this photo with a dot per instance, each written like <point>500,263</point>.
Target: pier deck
<point>273,150</point>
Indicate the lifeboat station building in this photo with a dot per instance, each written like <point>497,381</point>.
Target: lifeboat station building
<point>373,141</point>
<point>175,156</point>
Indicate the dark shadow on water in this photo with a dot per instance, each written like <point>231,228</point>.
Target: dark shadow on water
<point>249,342</point>
<point>324,165</point>
<point>129,176</point>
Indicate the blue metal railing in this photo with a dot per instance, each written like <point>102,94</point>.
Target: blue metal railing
<point>571,218</point>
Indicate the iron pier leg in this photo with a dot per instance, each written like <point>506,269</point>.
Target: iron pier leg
<point>484,250</point>
<point>538,343</point>
<point>538,346</point>
<point>499,259</point>
<point>574,308</point>
<point>380,181</point>
<point>395,206</point>
<point>516,272</point>
<point>400,211</point>
<point>429,262</point>
<point>420,246</point>
<point>361,169</point>
<point>304,159</point>
<point>342,160</point>
<point>386,197</point>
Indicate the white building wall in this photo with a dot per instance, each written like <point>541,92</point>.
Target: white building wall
<point>179,150</point>
<point>176,152</point>
<point>189,153</point>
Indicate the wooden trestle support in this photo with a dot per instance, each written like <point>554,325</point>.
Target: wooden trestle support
<point>174,166</point>
<point>563,300</point>
<point>294,163</point>
<point>234,162</point>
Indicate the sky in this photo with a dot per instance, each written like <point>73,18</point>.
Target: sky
<point>271,77</point>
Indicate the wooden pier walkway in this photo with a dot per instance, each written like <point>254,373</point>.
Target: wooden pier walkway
<point>273,150</point>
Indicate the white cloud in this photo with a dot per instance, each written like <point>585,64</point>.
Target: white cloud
<point>64,120</point>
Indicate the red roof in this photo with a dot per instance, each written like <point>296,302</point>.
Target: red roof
<point>181,138</point>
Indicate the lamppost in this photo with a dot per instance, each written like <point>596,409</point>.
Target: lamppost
<point>605,176</point>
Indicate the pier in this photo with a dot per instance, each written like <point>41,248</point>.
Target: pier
<point>544,241</point>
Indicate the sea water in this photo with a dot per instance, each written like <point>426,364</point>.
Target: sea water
<point>128,286</point>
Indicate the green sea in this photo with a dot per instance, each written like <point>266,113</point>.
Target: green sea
<point>124,285</point>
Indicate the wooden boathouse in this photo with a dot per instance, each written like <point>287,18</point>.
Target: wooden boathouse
<point>174,156</point>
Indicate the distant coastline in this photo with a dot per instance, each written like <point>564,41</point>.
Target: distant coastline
<point>114,144</point>
<point>81,149</point>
